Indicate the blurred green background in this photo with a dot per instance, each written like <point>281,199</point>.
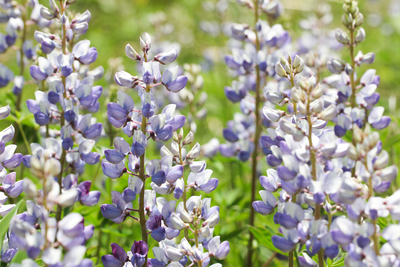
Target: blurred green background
<point>115,23</point>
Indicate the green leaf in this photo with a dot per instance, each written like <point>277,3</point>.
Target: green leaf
<point>19,257</point>
<point>264,237</point>
<point>5,222</point>
<point>115,232</point>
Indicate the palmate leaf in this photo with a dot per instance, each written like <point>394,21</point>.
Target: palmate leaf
<point>264,237</point>
<point>5,222</point>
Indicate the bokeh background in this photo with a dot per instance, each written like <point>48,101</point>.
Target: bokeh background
<point>198,28</point>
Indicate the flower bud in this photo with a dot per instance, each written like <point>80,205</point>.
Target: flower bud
<point>67,198</point>
<point>131,53</point>
<point>167,57</point>
<point>177,222</point>
<point>382,161</point>
<point>287,68</point>
<point>175,149</point>
<point>359,20</point>
<point>53,6</point>
<point>373,139</point>
<point>348,69</point>
<point>175,137</point>
<point>286,126</point>
<point>283,60</point>
<point>205,231</point>
<point>46,13</point>
<point>194,152</point>
<point>280,70</point>
<point>272,114</point>
<point>342,37</point>
<point>180,135</point>
<point>295,95</point>
<point>357,134</point>
<point>186,217</point>
<point>368,58</point>
<point>52,167</point>
<point>352,152</point>
<point>360,36</point>
<point>188,139</point>
<point>212,220</point>
<point>297,62</point>
<point>318,91</point>
<point>329,113</point>
<point>300,67</point>
<point>30,188</point>
<point>347,20</point>
<point>173,254</point>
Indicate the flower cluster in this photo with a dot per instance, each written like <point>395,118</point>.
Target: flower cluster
<point>66,82</point>
<point>318,169</point>
<point>69,83</point>
<point>19,17</point>
<point>160,218</point>
<point>252,61</point>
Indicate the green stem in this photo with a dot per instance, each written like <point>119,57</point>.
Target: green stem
<point>256,141</point>
<point>196,238</point>
<point>21,50</point>
<point>353,102</point>
<point>292,83</point>
<point>98,247</point>
<point>314,172</point>
<point>28,147</point>
<point>375,238</point>
<point>296,256</point>
<point>62,121</point>
<point>141,200</point>
<point>186,231</point>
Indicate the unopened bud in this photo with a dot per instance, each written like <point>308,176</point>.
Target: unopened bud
<point>287,68</point>
<point>357,134</point>
<point>295,95</point>
<point>175,137</point>
<point>212,220</point>
<point>205,231</point>
<point>373,139</point>
<point>131,53</point>
<point>180,135</point>
<point>342,37</point>
<point>280,70</point>
<point>185,216</point>
<point>177,222</point>
<point>347,20</point>
<point>283,60</point>
<point>30,188</point>
<point>359,20</point>
<point>188,139</point>
<point>53,6</point>
<point>382,161</point>
<point>329,113</point>
<point>164,151</point>
<point>194,152</point>
<point>175,149</point>
<point>360,36</point>
<point>318,91</point>
<point>348,69</point>
<point>47,13</point>
<point>352,152</point>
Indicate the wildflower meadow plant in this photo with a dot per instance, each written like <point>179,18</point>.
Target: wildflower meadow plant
<point>162,219</point>
<point>322,173</point>
<point>117,177</point>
